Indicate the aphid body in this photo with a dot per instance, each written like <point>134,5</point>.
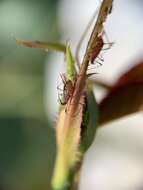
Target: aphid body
<point>68,89</point>
<point>96,49</point>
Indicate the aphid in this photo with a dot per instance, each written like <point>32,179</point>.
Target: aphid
<point>96,49</point>
<point>68,89</point>
<point>67,93</point>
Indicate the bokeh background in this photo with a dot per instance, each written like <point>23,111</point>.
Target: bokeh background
<point>28,94</point>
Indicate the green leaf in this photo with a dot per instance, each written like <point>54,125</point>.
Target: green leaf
<point>43,45</point>
<point>70,64</point>
<point>89,124</point>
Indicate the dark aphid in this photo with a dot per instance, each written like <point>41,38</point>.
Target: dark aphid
<point>96,49</point>
<point>67,90</point>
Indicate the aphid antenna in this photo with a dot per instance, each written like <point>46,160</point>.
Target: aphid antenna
<point>63,77</point>
<point>83,37</point>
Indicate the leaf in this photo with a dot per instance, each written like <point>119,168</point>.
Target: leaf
<point>43,45</point>
<point>89,124</point>
<point>134,74</point>
<point>125,97</point>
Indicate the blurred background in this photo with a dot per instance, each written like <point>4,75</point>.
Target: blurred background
<point>29,102</point>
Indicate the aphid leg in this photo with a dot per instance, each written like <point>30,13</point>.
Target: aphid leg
<point>60,99</point>
<point>58,88</point>
<point>90,74</point>
<point>99,62</point>
<point>63,81</point>
<point>104,49</point>
<point>108,43</point>
<point>100,58</point>
<point>62,102</point>
<point>61,95</point>
<point>63,77</point>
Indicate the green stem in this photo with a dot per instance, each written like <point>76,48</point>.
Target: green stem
<point>74,178</point>
<point>81,82</point>
<point>98,28</point>
<point>71,183</point>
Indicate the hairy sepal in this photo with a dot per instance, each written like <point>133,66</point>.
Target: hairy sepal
<point>68,132</point>
<point>70,66</point>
